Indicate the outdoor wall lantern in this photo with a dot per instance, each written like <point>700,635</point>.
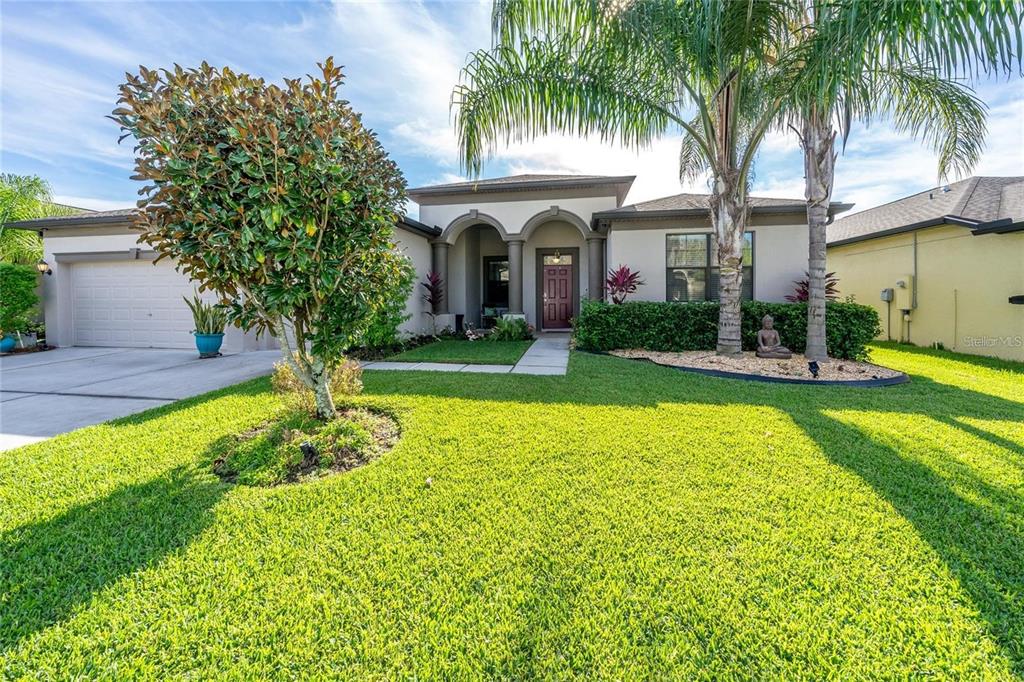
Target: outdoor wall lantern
<point>43,267</point>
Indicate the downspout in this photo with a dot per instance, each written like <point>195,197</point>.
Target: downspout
<point>913,299</point>
<point>913,291</point>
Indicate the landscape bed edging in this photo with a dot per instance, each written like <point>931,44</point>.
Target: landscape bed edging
<point>902,378</point>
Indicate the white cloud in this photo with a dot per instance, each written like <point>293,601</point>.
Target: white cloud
<point>62,64</point>
<point>92,203</point>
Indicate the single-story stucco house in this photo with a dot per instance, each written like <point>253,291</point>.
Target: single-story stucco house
<point>944,266</point>
<point>525,245</point>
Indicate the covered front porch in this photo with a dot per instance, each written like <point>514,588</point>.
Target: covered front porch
<point>539,269</point>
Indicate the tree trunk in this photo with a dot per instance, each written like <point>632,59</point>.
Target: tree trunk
<point>729,219</point>
<point>819,173</point>
<point>322,392</point>
<point>316,378</point>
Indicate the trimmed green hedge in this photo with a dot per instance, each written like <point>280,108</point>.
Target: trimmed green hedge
<point>694,326</point>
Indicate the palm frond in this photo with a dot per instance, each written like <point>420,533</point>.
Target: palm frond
<point>542,86</point>
<point>692,161</point>
<point>945,114</point>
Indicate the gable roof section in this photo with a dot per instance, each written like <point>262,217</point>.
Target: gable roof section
<point>85,219</point>
<point>986,204</point>
<point>680,205</point>
<point>526,183</point>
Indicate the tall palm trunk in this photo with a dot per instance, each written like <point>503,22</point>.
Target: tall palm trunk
<point>818,139</point>
<point>728,215</point>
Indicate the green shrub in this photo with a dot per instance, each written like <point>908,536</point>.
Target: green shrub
<point>18,297</point>
<point>694,326</point>
<point>511,329</point>
<point>382,331</point>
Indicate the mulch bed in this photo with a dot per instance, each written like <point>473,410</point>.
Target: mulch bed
<point>749,364</point>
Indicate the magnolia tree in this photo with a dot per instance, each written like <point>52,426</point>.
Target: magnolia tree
<point>276,198</point>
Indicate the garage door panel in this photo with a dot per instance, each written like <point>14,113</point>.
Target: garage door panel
<point>131,303</point>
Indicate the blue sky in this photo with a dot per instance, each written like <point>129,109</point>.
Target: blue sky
<point>62,63</point>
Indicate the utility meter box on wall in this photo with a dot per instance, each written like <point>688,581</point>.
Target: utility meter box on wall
<point>903,293</point>
<point>887,295</point>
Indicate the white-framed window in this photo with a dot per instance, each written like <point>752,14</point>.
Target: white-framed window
<point>691,263</point>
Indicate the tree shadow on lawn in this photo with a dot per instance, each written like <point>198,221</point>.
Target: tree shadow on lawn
<point>983,549</point>
<point>982,544</point>
<point>49,569</point>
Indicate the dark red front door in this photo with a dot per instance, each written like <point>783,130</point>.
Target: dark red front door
<point>557,296</point>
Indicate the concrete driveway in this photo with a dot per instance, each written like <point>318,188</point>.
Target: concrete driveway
<point>44,394</point>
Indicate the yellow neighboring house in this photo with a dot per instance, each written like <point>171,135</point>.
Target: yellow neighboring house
<point>945,266</point>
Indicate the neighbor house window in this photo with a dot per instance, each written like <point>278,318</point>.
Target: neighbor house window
<point>691,261</point>
<point>496,281</point>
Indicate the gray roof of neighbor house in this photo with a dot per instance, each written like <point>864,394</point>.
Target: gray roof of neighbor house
<point>527,182</point>
<point>86,217</point>
<point>679,205</point>
<point>985,204</point>
<point>124,215</point>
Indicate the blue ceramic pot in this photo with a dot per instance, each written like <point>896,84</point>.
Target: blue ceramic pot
<point>208,344</point>
<point>7,343</point>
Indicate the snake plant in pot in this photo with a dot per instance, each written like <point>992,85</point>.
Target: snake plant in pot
<point>210,320</point>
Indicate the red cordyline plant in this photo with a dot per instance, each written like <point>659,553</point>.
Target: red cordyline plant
<point>621,282</point>
<point>433,295</point>
<point>801,293</point>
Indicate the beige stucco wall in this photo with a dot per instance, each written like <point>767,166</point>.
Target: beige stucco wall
<point>513,212</point>
<point>417,248</point>
<point>963,286</point>
<point>780,253</point>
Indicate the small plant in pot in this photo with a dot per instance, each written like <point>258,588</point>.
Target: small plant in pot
<point>210,320</point>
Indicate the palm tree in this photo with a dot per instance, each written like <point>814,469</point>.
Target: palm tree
<point>24,197</point>
<point>894,58</point>
<point>630,72</point>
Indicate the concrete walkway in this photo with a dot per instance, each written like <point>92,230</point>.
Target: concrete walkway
<point>549,355</point>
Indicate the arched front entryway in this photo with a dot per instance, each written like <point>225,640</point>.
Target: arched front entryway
<point>564,263</point>
<point>480,277</point>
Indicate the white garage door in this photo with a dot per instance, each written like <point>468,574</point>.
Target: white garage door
<point>130,303</point>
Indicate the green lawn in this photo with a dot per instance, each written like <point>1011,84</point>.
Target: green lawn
<point>624,521</point>
<point>480,352</point>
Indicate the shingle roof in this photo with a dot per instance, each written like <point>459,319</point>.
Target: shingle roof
<point>416,226</point>
<point>124,215</point>
<point>974,200</point>
<point>697,204</point>
<point>85,218</point>
<point>529,181</point>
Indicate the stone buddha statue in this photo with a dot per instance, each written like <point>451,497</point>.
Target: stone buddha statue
<point>768,343</point>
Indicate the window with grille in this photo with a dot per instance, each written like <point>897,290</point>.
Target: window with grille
<point>691,262</point>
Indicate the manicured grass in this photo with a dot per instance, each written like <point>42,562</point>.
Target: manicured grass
<point>480,352</point>
<point>624,521</point>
